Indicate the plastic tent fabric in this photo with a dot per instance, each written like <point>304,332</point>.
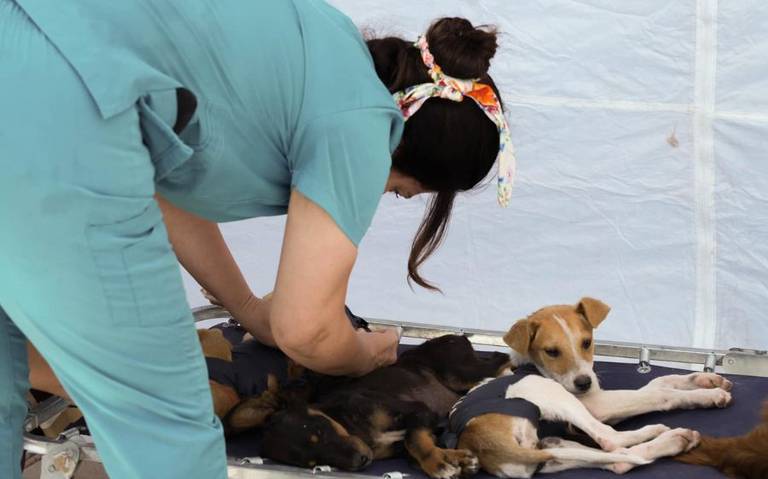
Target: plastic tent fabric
<point>641,132</point>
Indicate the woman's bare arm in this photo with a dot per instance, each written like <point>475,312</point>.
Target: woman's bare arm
<point>41,376</point>
<point>201,249</point>
<point>307,312</point>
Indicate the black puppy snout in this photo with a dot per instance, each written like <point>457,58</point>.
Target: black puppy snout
<point>361,460</point>
<point>583,383</point>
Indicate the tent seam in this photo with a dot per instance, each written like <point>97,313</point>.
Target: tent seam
<point>705,324</point>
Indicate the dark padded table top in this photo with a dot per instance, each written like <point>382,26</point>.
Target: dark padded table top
<point>740,417</point>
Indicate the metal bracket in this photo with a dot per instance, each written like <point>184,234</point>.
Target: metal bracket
<point>645,361</point>
<point>45,411</point>
<point>746,362</point>
<point>710,363</point>
<point>60,461</point>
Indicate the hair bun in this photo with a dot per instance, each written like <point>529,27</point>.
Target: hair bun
<point>461,49</point>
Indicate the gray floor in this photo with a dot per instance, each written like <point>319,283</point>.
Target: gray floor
<point>86,470</point>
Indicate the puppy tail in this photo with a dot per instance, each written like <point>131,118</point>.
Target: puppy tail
<point>597,457</point>
<point>743,456</point>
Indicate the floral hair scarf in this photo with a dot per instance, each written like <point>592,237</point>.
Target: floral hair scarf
<point>444,86</point>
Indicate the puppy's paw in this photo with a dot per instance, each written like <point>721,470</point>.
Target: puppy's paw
<point>450,464</point>
<point>466,460</point>
<point>710,381</point>
<point>714,397</point>
<point>687,438</point>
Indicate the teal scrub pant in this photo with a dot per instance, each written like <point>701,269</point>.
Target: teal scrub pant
<point>88,276</point>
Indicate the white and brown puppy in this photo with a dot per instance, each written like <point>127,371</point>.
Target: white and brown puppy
<point>558,341</point>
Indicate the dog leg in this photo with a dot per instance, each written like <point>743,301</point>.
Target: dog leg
<point>614,406</point>
<point>557,404</point>
<point>572,455</point>
<point>687,382</point>
<point>670,443</point>
<point>436,462</point>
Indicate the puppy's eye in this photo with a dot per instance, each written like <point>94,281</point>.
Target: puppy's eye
<point>586,343</point>
<point>552,352</point>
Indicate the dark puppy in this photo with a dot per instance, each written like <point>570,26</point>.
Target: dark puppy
<point>742,457</point>
<point>347,423</point>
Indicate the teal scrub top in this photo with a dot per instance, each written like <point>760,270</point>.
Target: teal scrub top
<point>287,97</point>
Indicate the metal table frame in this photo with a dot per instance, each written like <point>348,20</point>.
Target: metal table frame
<point>61,455</point>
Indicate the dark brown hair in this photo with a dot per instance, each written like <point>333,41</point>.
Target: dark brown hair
<point>447,146</point>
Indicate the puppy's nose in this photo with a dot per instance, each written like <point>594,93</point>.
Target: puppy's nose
<point>583,383</point>
<point>361,460</point>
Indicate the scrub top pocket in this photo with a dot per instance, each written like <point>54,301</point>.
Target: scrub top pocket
<point>138,270</point>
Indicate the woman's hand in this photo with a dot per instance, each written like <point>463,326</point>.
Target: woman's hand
<point>252,314</point>
<point>382,345</point>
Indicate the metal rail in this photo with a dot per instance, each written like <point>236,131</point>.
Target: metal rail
<point>242,469</point>
<point>734,361</point>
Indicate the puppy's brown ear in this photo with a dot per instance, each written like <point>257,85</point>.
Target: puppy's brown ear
<point>254,411</point>
<point>224,398</point>
<point>214,344</point>
<point>593,309</point>
<point>520,335</point>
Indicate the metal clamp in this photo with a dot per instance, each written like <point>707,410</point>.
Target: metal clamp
<point>320,469</point>
<point>60,461</point>
<point>251,460</point>
<point>710,363</point>
<point>394,475</point>
<point>645,361</point>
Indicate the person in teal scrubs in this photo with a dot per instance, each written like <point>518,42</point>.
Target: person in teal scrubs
<point>129,129</point>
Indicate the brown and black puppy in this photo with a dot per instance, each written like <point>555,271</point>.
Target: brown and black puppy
<point>236,371</point>
<point>394,410</point>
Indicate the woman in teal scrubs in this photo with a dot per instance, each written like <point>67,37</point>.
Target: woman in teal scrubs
<point>129,129</point>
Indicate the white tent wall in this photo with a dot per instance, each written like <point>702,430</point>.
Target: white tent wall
<point>641,133</point>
